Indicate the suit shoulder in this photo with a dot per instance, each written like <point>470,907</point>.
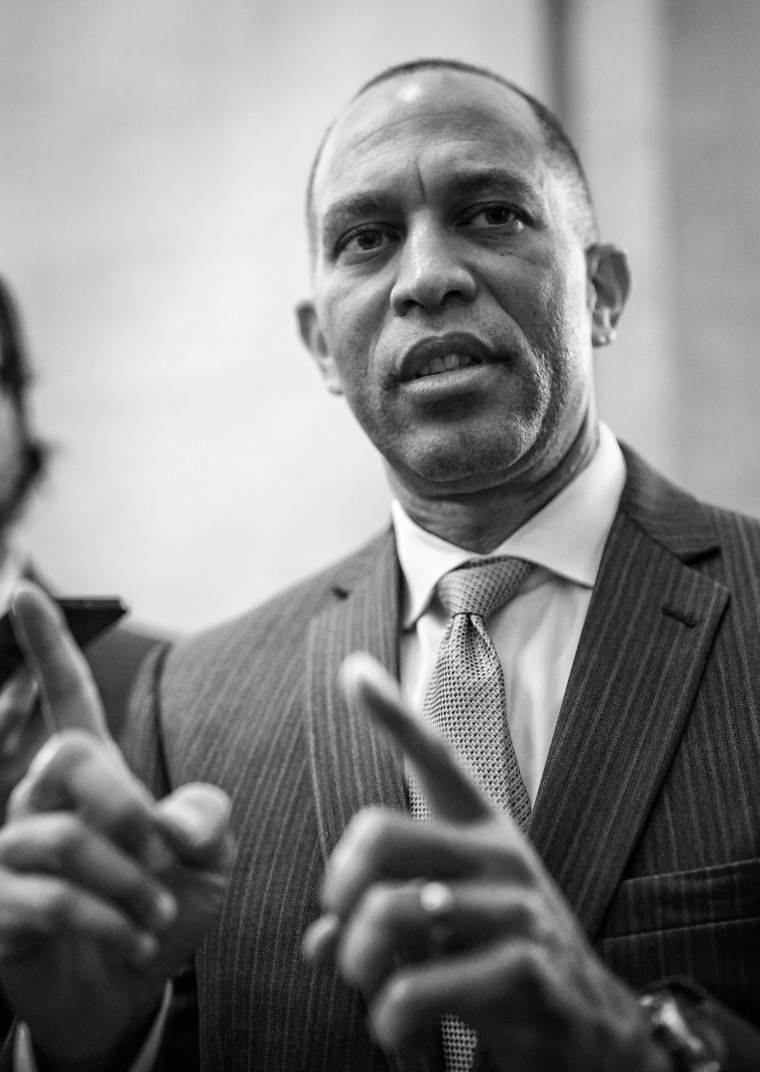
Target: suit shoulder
<point>115,659</point>
<point>692,528</point>
<point>739,538</point>
<point>735,522</point>
<point>271,629</point>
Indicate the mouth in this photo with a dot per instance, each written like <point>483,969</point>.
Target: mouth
<point>442,354</point>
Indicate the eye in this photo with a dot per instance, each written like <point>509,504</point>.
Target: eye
<point>363,242</point>
<point>498,217</point>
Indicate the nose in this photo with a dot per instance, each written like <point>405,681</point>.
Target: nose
<point>430,270</point>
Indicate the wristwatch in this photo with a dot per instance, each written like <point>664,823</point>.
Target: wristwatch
<point>681,1023</point>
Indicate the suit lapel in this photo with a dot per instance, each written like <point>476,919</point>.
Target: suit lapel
<point>647,635</point>
<point>352,764</point>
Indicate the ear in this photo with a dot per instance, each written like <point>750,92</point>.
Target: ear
<point>316,344</point>
<point>609,283</point>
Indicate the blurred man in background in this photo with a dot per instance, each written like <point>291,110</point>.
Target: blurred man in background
<point>114,657</point>
<point>22,455</point>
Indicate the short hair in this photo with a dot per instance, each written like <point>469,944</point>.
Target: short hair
<point>15,378</point>
<point>560,149</point>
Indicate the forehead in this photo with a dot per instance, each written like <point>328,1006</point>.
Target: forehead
<point>441,119</point>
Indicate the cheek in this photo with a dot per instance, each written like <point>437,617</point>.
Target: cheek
<point>564,314</point>
<point>352,321</point>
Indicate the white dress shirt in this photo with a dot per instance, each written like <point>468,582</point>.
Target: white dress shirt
<point>536,635</point>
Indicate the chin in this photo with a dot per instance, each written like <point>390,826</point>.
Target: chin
<point>470,463</point>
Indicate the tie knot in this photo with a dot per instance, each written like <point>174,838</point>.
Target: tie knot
<point>482,587</point>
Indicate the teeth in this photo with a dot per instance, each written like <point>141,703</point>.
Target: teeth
<point>443,364</point>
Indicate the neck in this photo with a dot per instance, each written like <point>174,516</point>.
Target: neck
<point>481,520</point>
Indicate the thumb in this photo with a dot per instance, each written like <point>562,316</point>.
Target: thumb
<point>195,819</point>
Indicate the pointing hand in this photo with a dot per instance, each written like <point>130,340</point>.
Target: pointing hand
<point>457,916</point>
<point>104,892</point>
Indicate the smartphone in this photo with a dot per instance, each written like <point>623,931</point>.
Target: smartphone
<point>87,618</point>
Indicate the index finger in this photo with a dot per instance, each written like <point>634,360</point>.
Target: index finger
<point>69,697</point>
<point>448,788</point>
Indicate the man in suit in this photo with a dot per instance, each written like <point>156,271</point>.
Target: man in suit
<point>459,287</point>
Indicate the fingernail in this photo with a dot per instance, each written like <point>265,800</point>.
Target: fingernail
<point>195,824</point>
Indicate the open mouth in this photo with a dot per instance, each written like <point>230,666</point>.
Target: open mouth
<point>444,353</point>
<point>446,363</point>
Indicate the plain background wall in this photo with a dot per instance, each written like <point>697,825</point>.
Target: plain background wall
<point>664,104</point>
<point>154,156</point>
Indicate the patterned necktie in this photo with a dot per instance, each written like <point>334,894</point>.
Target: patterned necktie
<point>466,702</point>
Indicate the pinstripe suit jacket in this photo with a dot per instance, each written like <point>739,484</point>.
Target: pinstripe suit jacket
<point>648,815</point>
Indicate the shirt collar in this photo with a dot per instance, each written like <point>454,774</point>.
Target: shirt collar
<point>566,537</point>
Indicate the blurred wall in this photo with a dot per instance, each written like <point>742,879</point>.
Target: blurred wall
<point>662,97</point>
<point>154,158</point>
<point>151,189</point>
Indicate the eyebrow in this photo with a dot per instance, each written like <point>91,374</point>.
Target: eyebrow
<point>355,206</point>
<point>474,182</point>
<point>462,184</point>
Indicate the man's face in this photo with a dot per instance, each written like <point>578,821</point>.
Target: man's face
<point>451,298</point>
